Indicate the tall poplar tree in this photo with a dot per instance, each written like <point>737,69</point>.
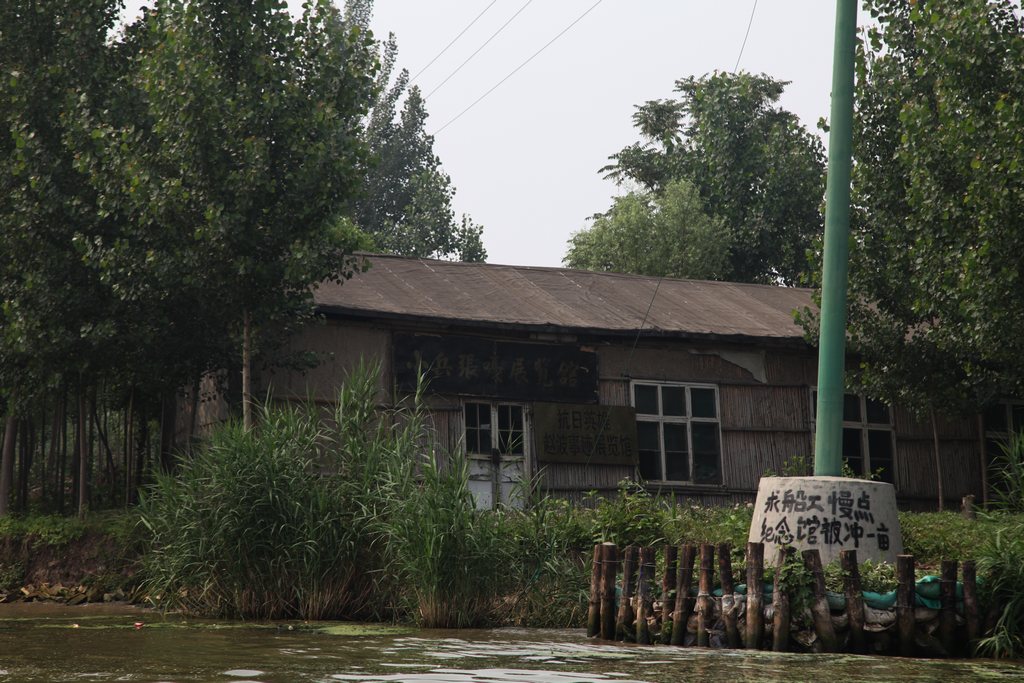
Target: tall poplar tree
<point>244,150</point>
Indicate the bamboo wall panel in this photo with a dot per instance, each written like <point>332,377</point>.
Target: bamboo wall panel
<point>915,469</point>
<point>792,367</point>
<point>675,364</point>
<point>746,456</point>
<point>565,477</point>
<point>340,348</point>
<point>909,426</point>
<point>613,392</point>
<point>768,408</point>
<point>447,424</point>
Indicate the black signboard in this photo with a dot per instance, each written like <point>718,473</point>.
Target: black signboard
<point>498,369</point>
<point>598,435</point>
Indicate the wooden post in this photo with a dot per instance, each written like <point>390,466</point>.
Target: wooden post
<point>947,613</point>
<point>780,604</point>
<point>645,606</point>
<point>609,568</point>
<point>624,620</point>
<point>971,613</point>
<point>755,596</point>
<point>854,601</point>
<point>668,589</point>
<point>704,609</point>
<point>819,606</point>
<point>732,634</point>
<point>684,603</point>
<point>594,607</point>
<point>905,599</point>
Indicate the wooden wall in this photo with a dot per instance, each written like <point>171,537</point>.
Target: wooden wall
<point>764,401</point>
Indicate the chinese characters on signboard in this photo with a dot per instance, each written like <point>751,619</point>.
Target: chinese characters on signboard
<point>586,434</point>
<point>838,519</point>
<point>483,367</point>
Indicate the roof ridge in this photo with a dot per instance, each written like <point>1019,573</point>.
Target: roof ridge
<point>560,269</point>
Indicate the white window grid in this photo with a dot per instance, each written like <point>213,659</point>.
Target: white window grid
<point>679,419</point>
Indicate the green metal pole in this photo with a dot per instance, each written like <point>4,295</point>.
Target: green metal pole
<point>828,445</point>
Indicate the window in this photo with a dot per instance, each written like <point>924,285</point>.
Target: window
<point>677,432</point>
<point>868,443</point>
<point>494,426</point>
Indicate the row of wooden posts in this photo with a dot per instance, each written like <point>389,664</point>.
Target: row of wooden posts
<point>613,622</point>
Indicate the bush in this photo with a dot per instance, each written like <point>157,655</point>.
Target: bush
<point>551,569</point>
<point>634,516</point>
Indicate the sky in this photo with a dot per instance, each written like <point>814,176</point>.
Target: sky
<point>525,159</point>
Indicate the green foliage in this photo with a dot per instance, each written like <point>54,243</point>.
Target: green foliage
<point>663,233</point>
<point>1008,486</point>
<point>1001,562</point>
<point>796,580</point>
<point>57,319</point>
<point>935,536</point>
<point>550,573</point>
<point>634,516</point>
<point>934,284</point>
<point>756,168</point>
<point>875,577</point>
<point>12,575</point>
<point>52,530</point>
<point>405,203</point>
<point>709,524</point>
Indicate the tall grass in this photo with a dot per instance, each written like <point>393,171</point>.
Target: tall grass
<point>450,560</point>
<point>1002,564</point>
<point>248,528</point>
<point>278,521</point>
<point>1001,560</point>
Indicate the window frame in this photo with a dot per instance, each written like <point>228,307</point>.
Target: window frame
<point>495,406</point>
<point>864,426</point>
<point>688,419</point>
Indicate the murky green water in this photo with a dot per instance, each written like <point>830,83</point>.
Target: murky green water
<point>54,643</point>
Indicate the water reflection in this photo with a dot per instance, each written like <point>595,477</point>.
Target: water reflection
<point>41,644</point>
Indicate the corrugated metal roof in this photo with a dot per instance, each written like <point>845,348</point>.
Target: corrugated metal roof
<point>559,299</point>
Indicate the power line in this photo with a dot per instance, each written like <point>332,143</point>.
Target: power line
<point>493,36</point>
<point>515,70</point>
<point>445,49</point>
<point>745,36</point>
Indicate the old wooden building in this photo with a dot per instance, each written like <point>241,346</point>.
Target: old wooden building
<point>584,379</point>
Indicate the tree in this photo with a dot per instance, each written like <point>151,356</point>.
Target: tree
<point>245,150</point>
<point>663,233</point>
<point>405,203</point>
<point>57,318</point>
<point>753,163</point>
<point>935,286</point>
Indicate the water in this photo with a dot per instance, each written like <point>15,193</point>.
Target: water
<point>102,643</point>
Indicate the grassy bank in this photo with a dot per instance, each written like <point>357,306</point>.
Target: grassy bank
<point>361,516</point>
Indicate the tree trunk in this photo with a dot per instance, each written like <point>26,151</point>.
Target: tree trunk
<point>168,419</point>
<point>7,464</point>
<point>129,428</point>
<point>82,504</point>
<point>246,371</point>
<point>938,459</point>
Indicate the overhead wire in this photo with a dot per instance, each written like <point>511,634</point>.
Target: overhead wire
<point>477,51</point>
<point>452,41</point>
<point>515,70</point>
<point>745,36</point>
